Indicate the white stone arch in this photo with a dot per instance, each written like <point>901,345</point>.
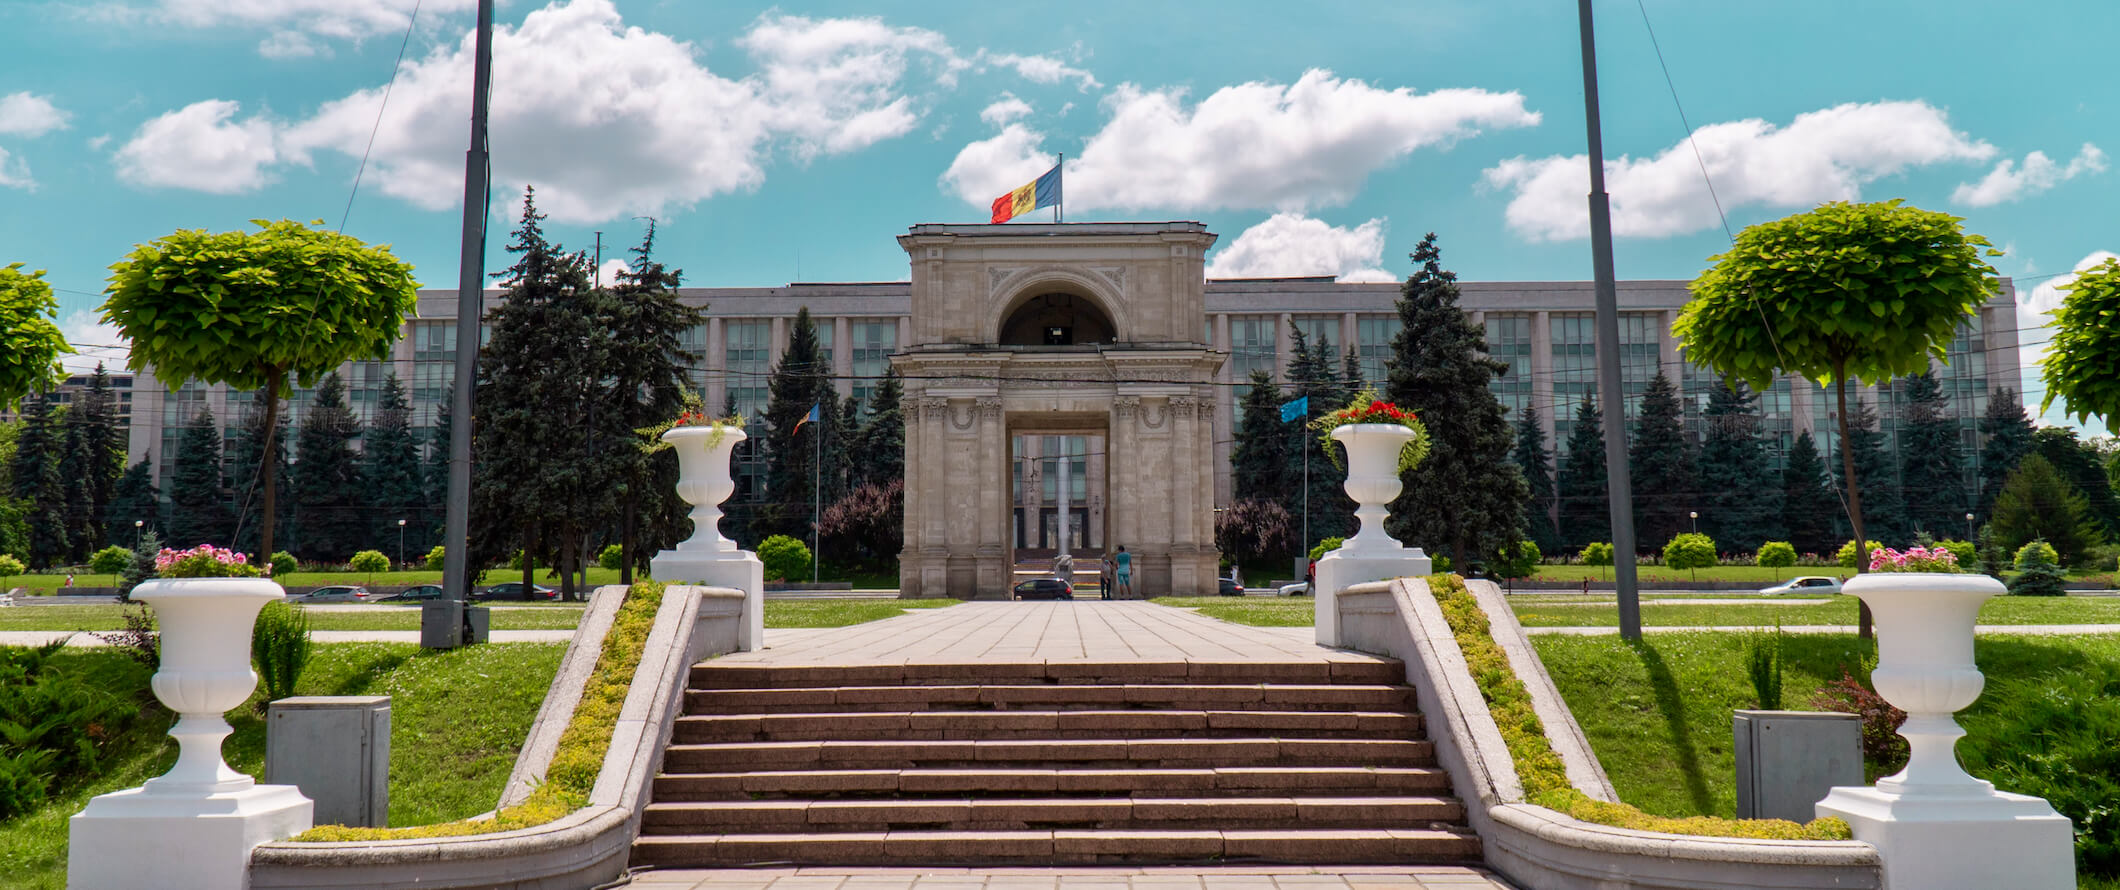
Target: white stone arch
<point>1022,286</point>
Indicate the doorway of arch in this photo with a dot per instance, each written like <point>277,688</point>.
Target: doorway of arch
<point>1043,467</point>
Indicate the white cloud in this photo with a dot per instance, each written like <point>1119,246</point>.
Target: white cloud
<point>2009,182</point>
<point>1290,245</point>
<point>93,341</point>
<point>2034,331</point>
<point>1042,69</point>
<point>1254,145</point>
<point>1824,155</point>
<point>14,173</point>
<point>607,274</point>
<point>201,147</point>
<point>295,27</point>
<point>27,114</point>
<point>607,120</point>
<point>290,45</point>
<point>96,143</point>
<point>1005,109</point>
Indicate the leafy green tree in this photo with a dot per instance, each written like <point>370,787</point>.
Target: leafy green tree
<point>1738,495</point>
<point>390,472</point>
<point>331,504</point>
<point>30,341</point>
<point>110,561</point>
<point>1775,555</point>
<point>1884,513</point>
<point>1807,500</point>
<point>198,503</point>
<point>2008,438</point>
<point>246,460</point>
<point>1536,463</point>
<point>1843,291</point>
<point>1932,466</point>
<point>135,499</point>
<point>881,442</point>
<point>1690,551</point>
<point>369,562</point>
<point>37,483</point>
<point>1466,496</point>
<point>250,308</point>
<point>2038,503</point>
<point>9,568</point>
<point>2086,347</point>
<point>648,379</point>
<point>1513,561</point>
<point>2078,462</point>
<point>1845,557</point>
<point>1660,461</point>
<point>1586,503</point>
<point>801,380</point>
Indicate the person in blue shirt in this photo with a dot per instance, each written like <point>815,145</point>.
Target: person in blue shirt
<point>1124,563</point>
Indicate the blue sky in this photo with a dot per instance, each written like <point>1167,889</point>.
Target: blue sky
<point>792,142</point>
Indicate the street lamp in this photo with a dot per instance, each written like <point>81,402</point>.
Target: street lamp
<point>137,534</point>
<point>1694,517</point>
<point>401,544</point>
<point>1969,527</point>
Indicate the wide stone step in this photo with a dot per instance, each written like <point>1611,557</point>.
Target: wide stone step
<point>1050,697</point>
<point>969,814</point>
<point>1126,753</point>
<point>1346,781</point>
<point>1354,669</point>
<point>998,725</point>
<point>1058,847</point>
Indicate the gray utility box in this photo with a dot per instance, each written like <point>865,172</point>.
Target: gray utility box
<point>447,624</point>
<point>336,748</point>
<point>1788,760</point>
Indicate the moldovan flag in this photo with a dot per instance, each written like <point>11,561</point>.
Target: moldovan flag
<point>1037,194</point>
<point>805,419</point>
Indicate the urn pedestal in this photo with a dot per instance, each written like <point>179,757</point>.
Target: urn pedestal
<point>1935,826</point>
<point>1371,555</point>
<point>195,825</point>
<point>708,557</point>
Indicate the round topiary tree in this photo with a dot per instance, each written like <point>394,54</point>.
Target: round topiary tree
<point>282,563</point>
<point>110,561</point>
<point>786,558</point>
<point>1776,555</point>
<point>10,567</point>
<point>1843,291</point>
<point>248,309</point>
<point>1848,554</point>
<point>2037,553</point>
<point>369,562</point>
<point>611,557</point>
<point>30,341</point>
<point>1691,551</point>
<point>2079,363</point>
<point>1518,561</point>
<point>434,558</point>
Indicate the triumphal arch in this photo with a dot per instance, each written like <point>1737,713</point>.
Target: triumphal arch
<point>1058,394</point>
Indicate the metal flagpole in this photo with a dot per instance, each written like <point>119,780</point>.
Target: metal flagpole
<point>1620,486</point>
<point>1300,433</point>
<point>816,492</point>
<point>1060,177</point>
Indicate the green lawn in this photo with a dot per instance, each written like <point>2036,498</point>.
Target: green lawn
<point>841,612</point>
<point>1259,611</point>
<point>457,720</point>
<point>381,617</point>
<point>1542,612</point>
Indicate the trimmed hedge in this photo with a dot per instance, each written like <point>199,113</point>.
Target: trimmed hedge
<point>1539,767</point>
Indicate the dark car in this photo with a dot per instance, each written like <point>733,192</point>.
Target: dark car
<point>1045,589</point>
<point>420,594</point>
<point>513,590</point>
<point>1230,587</point>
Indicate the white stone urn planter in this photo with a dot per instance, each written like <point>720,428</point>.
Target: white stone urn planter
<point>1372,554</point>
<point>195,825</point>
<point>1934,824</point>
<point>708,557</point>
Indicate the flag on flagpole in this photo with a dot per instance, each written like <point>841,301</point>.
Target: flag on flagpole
<point>1295,408</point>
<point>805,419</point>
<point>1041,192</point>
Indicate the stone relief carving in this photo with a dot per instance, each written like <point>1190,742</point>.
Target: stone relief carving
<point>1116,275</point>
<point>989,408</point>
<point>995,275</point>
<point>1155,414</point>
<point>970,418</point>
<point>1126,408</point>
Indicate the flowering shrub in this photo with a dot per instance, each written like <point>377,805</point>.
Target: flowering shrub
<point>1367,408</point>
<point>203,561</point>
<point>1915,559</point>
<point>700,418</point>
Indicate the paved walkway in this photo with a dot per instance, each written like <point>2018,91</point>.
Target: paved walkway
<point>1093,630</point>
<point>2034,630</point>
<point>1434,877</point>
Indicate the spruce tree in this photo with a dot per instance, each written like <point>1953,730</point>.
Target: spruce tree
<point>1329,512</point>
<point>1259,455</point>
<point>1932,466</point>
<point>1466,497</point>
<point>134,499</point>
<point>800,381</point>
<point>648,381</point>
<point>1585,495</point>
<point>1351,380</point>
<point>1660,462</point>
<point>76,464</point>
<point>246,461</point>
<point>881,442</point>
<point>1808,504</point>
<point>2079,463</point>
<point>1884,517</point>
<point>2039,503</point>
<point>94,463</point>
<point>331,508</point>
<point>1738,503</point>
<point>1536,463</point>
<point>36,481</point>
<point>2007,437</point>
<point>391,471</point>
<point>198,503</point>
<point>436,474</point>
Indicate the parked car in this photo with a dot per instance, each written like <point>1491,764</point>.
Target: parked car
<point>1804,585</point>
<point>1300,588</point>
<point>513,590</point>
<point>419,594</point>
<point>343,593</point>
<point>1045,589</point>
<point>1230,587</point>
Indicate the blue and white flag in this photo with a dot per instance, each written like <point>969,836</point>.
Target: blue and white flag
<point>1295,408</point>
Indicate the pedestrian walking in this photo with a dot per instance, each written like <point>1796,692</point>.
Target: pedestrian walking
<point>1104,577</point>
<point>69,579</point>
<point>1123,572</point>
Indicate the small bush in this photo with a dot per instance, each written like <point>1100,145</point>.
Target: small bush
<point>435,558</point>
<point>2103,558</point>
<point>1883,751</point>
<point>1325,546</point>
<point>10,566</point>
<point>786,559</point>
<point>107,561</point>
<point>1691,550</point>
<point>142,567</point>
<point>1520,561</point>
<point>1598,553</point>
<point>1846,555</point>
<point>280,647</point>
<point>2037,552</point>
<point>140,641</point>
<point>1964,551</point>
<point>282,563</point>
<point>1776,555</point>
<point>1763,662</point>
<point>369,562</point>
<point>611,556</point>
<point>2038,579</point>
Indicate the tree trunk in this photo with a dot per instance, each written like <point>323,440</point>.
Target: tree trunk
<point>271,470</point>
<point>529,558</point>
<point>626,545</point>
<point>1847,469</point>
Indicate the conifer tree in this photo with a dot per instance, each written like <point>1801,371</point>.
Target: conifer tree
<point>134,499</point>
<point>1739,503</point>
<point>1328,513</point>
<point>2007,437</point>
<point>198,504</point>
<point>1660,463</point>
<point>1884,517</point>
<point>1585,496</point>
<point>1808,504</point>
<point>2079,463</point>
<point>881,442</point>
<point>436,473</point>
<point>2039,503</point>
<point>1932,468</point>
<point>36,481</point>
<point>1351,380</point>
<point>246,460</point>
<point>1467,496</point>
<point>1536,462</point>
<point>391,473</point>
<point>331,508</point>
<point>800,381</point>
<point>648,381</point>
<point>1259,455</point>
<point>95,456</point>
<point>83,525</point>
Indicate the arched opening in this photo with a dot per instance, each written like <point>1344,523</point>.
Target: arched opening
<point>1057,319</point>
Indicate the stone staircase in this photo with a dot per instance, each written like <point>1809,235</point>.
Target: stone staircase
<point>1050,763</point>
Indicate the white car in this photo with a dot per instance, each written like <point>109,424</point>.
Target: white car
<point>1812,584</point>
<point>1300,588</point>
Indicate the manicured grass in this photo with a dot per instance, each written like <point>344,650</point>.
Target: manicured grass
<point>382,617</point>
<point>1716,573</point>
<point>597,577</point>
<point>1841,611</point>
<point>1258,611</point>
<point>457,720</point>
<point>841,612</point>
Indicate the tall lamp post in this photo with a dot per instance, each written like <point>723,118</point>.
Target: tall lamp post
<point>139,535</point>
<point>1692,516</point>
<point>401,545</point>
<point>1969,528</point>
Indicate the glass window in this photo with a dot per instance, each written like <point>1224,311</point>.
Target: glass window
<point>1251,348</point>
<point>746,362</point>
<point>874,341</point>
<point>1373,336</point>
<point>1509,341</point>
<point>825,328</point>
<point>1321,328</point>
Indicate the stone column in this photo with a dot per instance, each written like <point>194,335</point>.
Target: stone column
<point>935,490</point>
<point>843,356</point>
<point>915,500</point>
<point>994,568</point>
<point>1124,508</point>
